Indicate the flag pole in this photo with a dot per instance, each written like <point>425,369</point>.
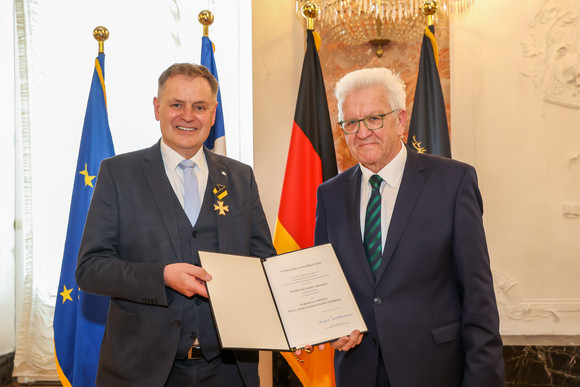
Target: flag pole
<point>101,34</point>
<point>206,19</point>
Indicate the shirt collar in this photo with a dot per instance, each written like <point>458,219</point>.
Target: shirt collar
<point>172,158</point>
<point>392,173</point>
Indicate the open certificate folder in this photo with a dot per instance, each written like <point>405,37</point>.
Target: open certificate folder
<point>281,303</point>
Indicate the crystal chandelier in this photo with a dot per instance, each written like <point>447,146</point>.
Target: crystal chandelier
<point>380,21</point>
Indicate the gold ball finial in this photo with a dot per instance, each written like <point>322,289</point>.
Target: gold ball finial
<point>101,34</point>
<point>430,7</point>
<point>310,11</point>
<point>205,17</point>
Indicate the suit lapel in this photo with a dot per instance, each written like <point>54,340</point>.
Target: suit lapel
<point>353,216</point>
<point>411,185</point>
<point>217,177</point>
<point>156,177</point>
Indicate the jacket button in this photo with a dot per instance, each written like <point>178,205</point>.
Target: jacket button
<point>194,234</point>
<point>177,323</point>
<point>377,300</point>
<point>374,341</point>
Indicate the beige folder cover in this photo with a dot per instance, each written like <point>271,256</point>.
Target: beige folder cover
<point>285,302</point>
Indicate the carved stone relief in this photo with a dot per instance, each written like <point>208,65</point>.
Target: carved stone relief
<point>511,304</point>
<point>521,316</point>
<point>553,51</point>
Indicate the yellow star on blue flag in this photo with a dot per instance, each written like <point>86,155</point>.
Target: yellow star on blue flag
<point>88,177</point>
<point>66,294</point>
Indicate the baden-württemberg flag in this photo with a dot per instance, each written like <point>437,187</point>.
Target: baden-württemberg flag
<point>217,136</point>
<point>428,130</point>
<point>79,317</point>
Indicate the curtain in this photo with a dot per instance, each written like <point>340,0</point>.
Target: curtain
<point>7,301</point>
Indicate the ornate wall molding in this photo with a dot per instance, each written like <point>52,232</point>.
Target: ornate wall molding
<point>515,308</point>
<point>552,51</point>
<point>521,316</point>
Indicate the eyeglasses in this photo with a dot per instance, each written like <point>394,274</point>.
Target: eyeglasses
<point>373,122</point>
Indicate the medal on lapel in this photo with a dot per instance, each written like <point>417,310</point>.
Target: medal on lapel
<point>220,191</point>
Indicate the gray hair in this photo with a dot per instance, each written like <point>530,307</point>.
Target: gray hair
<point>378,76</point>
<point>189,70</point>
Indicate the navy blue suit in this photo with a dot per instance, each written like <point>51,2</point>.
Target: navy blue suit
<point>432,309</point>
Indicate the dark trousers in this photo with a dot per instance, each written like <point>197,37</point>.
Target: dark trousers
<point>220,371</point>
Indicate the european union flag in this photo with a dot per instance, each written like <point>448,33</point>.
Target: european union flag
<point>79,317</point>
<point>217,136</point>
<point>428,130</point>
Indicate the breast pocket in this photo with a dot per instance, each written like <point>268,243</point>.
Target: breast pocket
<point>420,228</point>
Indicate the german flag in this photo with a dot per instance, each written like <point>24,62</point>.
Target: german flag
<point>311,161</point>
<point>428,129</point>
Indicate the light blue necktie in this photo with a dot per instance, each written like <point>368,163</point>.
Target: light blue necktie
<point>191,203</point>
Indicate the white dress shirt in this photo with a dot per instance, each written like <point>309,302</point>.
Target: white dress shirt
<point>392,175</point>
<point>171,160</point>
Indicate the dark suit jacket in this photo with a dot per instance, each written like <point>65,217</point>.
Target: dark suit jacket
<point>432,309</point>
<point>131,234</point>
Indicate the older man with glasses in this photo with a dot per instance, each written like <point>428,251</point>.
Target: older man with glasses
<point>407,229</point>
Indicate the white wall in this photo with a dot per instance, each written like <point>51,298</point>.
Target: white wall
<point>515,108</point>
<point>279,39</point>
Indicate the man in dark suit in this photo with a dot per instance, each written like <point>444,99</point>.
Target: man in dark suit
<point>407,229</point>
<point>144,228</point>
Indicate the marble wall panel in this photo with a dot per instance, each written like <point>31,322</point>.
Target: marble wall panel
<point>531,366</point>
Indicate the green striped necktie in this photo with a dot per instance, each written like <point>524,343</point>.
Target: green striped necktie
<point>372,236</point>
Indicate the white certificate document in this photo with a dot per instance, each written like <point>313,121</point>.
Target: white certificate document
<point>281,303</point>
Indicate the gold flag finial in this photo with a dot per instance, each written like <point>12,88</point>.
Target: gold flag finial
<point>310,11</point>
<point>206,19</point>
<point>101,34</point>
<point>429,9</point>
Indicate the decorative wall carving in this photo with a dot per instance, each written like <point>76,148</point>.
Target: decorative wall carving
<point>534,317</point>
<point>553,52</point>
<point>510,300</point>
